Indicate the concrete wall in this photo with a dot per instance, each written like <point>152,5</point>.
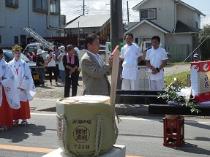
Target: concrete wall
<point>187,16</point>
<point>179,46</point>
<point>166,12</point>
<point>14,20</point>
<point>178,39</point>
<point>146,31</point>
<point>2,21</point>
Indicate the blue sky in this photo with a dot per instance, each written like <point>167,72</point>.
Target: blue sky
<point>72,8</point>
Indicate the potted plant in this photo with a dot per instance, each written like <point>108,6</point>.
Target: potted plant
<point>174,97</point>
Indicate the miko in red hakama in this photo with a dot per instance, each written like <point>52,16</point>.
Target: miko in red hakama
<point>22,113</point>
<point>25,89</point>
<point>8,95</point>
<point>6,113</point>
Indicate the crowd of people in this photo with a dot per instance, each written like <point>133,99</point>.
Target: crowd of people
<point>95,70</point>
<point>17,86</point>
<point>62,65</point>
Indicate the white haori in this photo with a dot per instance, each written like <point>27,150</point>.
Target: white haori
<point>130,55</point>
<point>23,79</point>
<point>7,82</point>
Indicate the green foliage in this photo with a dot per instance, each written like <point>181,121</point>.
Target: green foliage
<point>171,91</point>
<point>182,77</point>
<point>192,104</point>
<point>171,95</point>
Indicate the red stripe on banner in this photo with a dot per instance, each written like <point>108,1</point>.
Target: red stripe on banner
<point>203,97</point>
<point>202,66</point>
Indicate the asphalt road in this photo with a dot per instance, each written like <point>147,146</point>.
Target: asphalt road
<point>143,136</point>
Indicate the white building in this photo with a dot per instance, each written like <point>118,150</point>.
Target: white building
<point>176,22</point>
<point>43,16</point>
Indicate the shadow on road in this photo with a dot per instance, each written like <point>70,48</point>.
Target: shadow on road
<point>45,87</point>
<point>18,134</point>
<point>147,136</point>
<point>202,139</point>
<point>205,139</point>
<point>199,125</point>
<point>194,149</point>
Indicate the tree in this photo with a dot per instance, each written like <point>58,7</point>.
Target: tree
<point>205,48</point>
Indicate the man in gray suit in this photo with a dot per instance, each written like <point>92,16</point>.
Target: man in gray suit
<point>94,70</point>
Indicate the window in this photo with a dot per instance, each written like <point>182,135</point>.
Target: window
<point>196,25</point>
<point>0,39</point>
<point>11,3</point>
<point>136,40</point>
<point>16,40</point>
<point>54,6</point>
<point>148,14</point>
<point>23,40</point>
<point>40,6</point>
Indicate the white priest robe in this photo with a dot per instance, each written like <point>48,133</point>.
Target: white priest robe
<point>23,79</point>
<point>7,82</point>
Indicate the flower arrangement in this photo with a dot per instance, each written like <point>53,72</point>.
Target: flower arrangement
<point>173,96</point>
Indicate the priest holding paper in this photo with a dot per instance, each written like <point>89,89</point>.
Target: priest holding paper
<point>8,97</point>
<point>94,69</point>
<point>25,86</point>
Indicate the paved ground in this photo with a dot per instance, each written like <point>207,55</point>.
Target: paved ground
<point>178,68</point>
<point>55,92</point>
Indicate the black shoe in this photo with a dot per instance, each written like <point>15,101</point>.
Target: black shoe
<point>15,123</point>
<point>24,123</point>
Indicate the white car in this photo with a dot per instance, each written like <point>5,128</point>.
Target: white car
<point>34,47</point>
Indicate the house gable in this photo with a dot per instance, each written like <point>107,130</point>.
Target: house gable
<point>146,30</point>
<point>138,6</point>
<point>155,26</point>
<point>89,21</point>
<point>164,12</point>
<point>188,17</point>
<point>169,12</point>
<point>189,7</point>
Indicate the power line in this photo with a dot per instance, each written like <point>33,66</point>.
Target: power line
<point>128,16</point>
<point>207,37</point>
<point>83,8</point>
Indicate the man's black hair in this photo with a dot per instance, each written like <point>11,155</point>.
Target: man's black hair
<point>129,34</point>
<point>91,38</point>
<point>69,47</point>
<point>156,38</point>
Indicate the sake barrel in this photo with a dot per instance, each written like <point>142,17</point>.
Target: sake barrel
<point>86,125</point>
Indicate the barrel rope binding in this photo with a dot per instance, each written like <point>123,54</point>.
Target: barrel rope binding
<point>65,128</point>
<point>98,136</point>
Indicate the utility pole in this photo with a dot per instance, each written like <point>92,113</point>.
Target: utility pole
<point>48,14</point>
<point>78,40</point>
<point>116,22</point>
<point>83,8</point>
<point>116,29</point>
<point>128,14</point>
